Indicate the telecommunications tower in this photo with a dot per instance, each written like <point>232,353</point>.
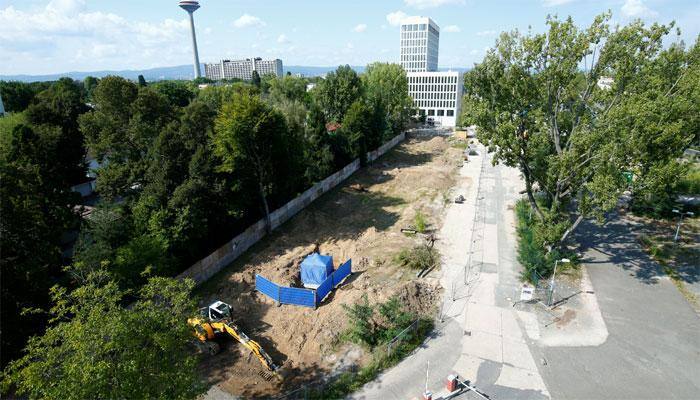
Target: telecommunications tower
<point>191,6</point>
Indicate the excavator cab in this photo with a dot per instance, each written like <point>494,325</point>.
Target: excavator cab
<point>219,311</point>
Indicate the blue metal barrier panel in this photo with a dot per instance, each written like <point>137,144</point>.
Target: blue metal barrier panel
<point>324,288</point>
<point>266,287</point>
<point>300,297</point>
<point>342,272</point>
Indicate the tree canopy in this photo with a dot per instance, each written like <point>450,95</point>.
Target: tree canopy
<point>96,348</point>
<point>541,104</point>
<point>336,93</point>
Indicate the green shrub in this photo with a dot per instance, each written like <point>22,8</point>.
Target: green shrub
<point>690,182</point>
<point>419,257</point>
<point>420,222</point>
<point>362,328</point>
<point>349,382</point>
<point>533,236</point>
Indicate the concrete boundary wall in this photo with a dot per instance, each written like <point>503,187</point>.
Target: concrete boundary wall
<point>207,267</point>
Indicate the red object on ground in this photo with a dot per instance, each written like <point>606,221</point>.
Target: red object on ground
<point>451,383</point>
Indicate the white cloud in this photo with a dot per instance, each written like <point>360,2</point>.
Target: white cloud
<point>474,52</point>
<point>423,4</point>
<point>67,35</point>
<point>247,20</point>
<point>395,18</point>
<point>488,32</point>
<point>554,3</point>
<point>282,38</point>
<point>637,9</point>
<point>360,28</point>
<point>66,7</point>
<point>452,29</point>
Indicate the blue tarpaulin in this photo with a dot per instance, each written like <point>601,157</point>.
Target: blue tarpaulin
<point>315,269</point>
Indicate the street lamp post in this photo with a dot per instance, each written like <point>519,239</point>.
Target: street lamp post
<point>551,283</point>
<point>680,221</point>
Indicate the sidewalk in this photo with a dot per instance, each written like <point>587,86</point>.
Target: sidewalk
<point>480,339</point>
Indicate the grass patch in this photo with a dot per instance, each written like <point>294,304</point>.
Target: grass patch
<point>460,145</point>
<point>667,254</point>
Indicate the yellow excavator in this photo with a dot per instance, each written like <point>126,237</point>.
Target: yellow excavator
<point>216,320</point>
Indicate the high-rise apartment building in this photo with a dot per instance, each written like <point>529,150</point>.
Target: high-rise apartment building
<point>420,41</point>
<point>437,95</point>
<point>242,69</point>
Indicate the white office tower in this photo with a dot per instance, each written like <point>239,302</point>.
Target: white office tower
<point>420,41</point>
<point>242,69</point>
<point>437,95</point>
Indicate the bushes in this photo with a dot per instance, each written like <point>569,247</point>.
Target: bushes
<point>419,257</point>
<point>532,238</point>
<point>372,325</point>
<point>349,382</point>
<point>374,330</point>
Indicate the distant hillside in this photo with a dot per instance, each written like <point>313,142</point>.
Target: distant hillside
<point>176,72</point>
<point>153,74</point>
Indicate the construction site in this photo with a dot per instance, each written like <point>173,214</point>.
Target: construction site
<point>368,219</point>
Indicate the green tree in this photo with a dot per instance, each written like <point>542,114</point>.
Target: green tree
<point>96,347</point>
<point>216,96</point>
<point>38,166</point>
<point>89,84</point>
<point>363,328</point>
<point>252,141</point>
<point>387,85</point>
<point>142,81</point>
<point>255,79</point>
<point>318,156</point>
<point>356,127</point>
<point>17,96</point>
<point>288,88</point>
<point>572,137</point>
<point>178,93</point>
<point>338,91</point>
<point>55,111</point>
<point>121,130</point>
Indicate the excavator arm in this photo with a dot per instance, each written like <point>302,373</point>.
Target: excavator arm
<point>231,329</point>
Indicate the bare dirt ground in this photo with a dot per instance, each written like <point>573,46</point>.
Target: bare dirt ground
<point>360,219</point>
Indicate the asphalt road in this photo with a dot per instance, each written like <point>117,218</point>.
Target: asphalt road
<point>653,347</point>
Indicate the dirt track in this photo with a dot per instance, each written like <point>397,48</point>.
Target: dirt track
<point>347,223</point>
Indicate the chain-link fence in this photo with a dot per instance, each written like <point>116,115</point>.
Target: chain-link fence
<point>409,330</point>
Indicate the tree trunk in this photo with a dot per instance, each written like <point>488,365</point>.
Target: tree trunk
<point>570,230</point>
<point>530,196</point>
<point>268,221</point>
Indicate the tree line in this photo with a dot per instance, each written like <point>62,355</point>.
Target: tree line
<point>182,170</point>
<point>586,114</point>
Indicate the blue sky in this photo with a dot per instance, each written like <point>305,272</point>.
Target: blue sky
<point>42,36</point>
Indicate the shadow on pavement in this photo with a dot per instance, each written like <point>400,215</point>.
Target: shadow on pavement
<point>617,239</point>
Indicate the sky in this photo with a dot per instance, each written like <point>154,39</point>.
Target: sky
<point>42,36</point>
